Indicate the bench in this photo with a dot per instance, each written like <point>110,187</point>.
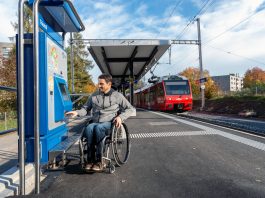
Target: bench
<point>61,149</point>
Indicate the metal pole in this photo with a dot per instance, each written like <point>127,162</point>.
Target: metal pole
<point>20,96</point>
<point>131,82</point>
<point>5,121</point>
<point>36,94</point>
<point>201,68</point>
<point>72,62</point>
<point>123,89</point>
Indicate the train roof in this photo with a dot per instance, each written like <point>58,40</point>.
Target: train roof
<point>163,78</point>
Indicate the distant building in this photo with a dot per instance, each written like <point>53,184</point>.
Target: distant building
<point>5,49</point>
<point>231,82</point>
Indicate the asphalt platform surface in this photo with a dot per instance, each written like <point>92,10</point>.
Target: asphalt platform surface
<point>172,157</point>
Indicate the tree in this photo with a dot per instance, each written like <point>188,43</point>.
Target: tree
<point>82,79</point>
<point>193,74</point>
<point>8,79</point>
<point>28,20</point>
<point>8,71</point>
<point>139,85</point>
<point>254,78</point>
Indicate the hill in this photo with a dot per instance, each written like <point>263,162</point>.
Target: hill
<point>244,106</point>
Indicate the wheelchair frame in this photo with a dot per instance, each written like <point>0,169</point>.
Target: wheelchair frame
<point>117,137</point>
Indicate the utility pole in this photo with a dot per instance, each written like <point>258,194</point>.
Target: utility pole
<point>72,62</point>
<point>202,86</point>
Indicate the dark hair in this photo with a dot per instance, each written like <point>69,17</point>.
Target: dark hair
<point>106,77</point>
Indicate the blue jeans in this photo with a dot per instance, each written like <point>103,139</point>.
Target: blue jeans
<point>95,133</point>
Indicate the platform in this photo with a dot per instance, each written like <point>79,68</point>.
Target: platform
<point>172,157</point>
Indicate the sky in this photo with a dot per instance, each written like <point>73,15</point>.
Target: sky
<point>232,31</point>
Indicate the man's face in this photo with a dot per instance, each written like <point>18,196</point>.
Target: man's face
<point>103,85</point>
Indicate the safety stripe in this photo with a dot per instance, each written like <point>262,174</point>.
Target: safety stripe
<point>246,141</point>
<point>170,134</point>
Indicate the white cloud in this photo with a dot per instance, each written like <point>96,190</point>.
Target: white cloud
<point>116,19</point>
<point>244,43</point>
<point>7,14</point>
<point>141,10</point>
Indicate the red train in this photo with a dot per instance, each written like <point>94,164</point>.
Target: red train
<point>169,93</point>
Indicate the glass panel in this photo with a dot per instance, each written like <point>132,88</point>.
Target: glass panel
<point>177,88</point>
<point>63,91</point>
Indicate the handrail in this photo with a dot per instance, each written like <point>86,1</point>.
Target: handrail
<point>8,131</point>
<point>8,88</point>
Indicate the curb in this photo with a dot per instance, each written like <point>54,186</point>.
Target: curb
<point>223,124</point>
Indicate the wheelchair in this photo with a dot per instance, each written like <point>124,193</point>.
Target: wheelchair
<point>118,142</point>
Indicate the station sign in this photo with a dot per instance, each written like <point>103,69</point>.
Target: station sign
<point>202,80</point>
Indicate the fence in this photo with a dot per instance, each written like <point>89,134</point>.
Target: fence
<point>8,119</point>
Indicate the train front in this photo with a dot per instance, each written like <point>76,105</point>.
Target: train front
<point>178,94</point>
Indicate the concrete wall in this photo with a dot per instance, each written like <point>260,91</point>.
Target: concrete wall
<point>229,82</point>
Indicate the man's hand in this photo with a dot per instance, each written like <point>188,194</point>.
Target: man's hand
<point>73,114</point>
<point>117,122</point>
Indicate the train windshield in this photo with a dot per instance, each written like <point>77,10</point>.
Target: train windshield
<point>177,87</point>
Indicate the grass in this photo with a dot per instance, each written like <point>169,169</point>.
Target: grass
<point>240,98</point>
<point>11,123</point>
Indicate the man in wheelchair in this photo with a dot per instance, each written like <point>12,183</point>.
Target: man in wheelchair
<point>105,105</point>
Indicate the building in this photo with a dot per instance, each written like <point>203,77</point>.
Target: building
<point>5,48</point>
<point>231,82</point>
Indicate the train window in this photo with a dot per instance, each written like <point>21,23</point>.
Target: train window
<point>160,91</point>
<point>177,88</point>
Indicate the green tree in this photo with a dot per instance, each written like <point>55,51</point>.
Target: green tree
<point>8,71</point>
<point>8,79</point>
<point>28,20</point>
<point>82,65</point>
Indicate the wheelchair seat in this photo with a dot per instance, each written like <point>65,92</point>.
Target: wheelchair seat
<point>118,141</point>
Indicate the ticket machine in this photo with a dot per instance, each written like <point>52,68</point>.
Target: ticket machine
<point>55,19</point>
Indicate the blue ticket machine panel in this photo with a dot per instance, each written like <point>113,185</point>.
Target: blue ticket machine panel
<point>62,100</point>
<point>54,95</point>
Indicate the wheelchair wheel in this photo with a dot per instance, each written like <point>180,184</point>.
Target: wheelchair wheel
<point>120,143</point>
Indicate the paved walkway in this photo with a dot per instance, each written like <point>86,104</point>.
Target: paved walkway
<point>8,151</point>
<point>172,157</point>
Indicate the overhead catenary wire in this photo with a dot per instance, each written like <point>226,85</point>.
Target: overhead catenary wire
<point>202,10</point>
<point>238,55</point>
<point>232,27</point>
<point>227,30</point>
<point>172,12</point>
<point>199,14</point>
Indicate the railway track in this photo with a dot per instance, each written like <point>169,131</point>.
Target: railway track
<point>256,127</point>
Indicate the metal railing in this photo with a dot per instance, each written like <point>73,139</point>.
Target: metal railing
<point>13,89</point>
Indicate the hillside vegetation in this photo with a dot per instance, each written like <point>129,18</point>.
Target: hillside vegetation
<point>234,105</point>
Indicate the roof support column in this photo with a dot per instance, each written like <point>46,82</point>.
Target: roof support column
<point>123,89</point>
<point>131,81</point>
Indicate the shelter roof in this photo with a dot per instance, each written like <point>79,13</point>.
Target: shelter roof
<point>113,56</point>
